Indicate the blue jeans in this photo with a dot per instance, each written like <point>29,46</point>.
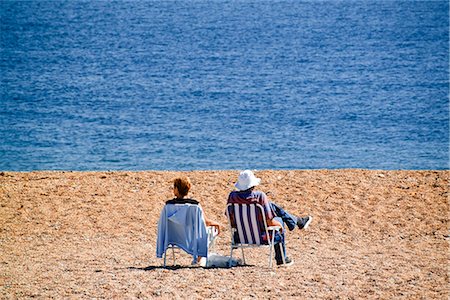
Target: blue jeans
<point>283,217</point>
<point>288,219</point>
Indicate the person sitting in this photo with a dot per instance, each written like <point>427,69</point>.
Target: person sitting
<point>182,223</point>
<point>274,214</point>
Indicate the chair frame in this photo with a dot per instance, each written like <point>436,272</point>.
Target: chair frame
<point>268,229</point>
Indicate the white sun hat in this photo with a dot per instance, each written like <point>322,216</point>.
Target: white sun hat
<point>246,180</point>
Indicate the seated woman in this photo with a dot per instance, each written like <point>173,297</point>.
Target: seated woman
<point>181,187</point>
<point>175,224</point>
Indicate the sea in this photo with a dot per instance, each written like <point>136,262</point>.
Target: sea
<point>224,85</point>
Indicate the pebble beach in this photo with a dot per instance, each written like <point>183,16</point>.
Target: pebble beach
<point>86,235</point>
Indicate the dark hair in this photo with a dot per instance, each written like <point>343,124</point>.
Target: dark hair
<point>183,185</point>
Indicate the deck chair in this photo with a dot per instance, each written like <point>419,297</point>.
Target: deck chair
<point>183,226</point>
<point>249,229</point>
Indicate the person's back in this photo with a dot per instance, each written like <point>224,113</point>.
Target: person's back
<point>182,225</point>
<point>247,197</point>
<point>274,214</point>
<point>181,215</point>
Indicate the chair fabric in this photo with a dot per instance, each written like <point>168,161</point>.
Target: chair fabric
<point>249,228</point>
<point>183,226</point>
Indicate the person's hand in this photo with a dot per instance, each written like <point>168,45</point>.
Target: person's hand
<point>218,228</point>
<point>281,229</point>
<point>275,223</point>
<point>214,224</point>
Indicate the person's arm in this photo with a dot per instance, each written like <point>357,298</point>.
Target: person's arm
<point>270,218</point>
<point>274,222</point>
<point>209,222</point>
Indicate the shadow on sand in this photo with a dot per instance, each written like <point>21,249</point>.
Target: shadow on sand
<point>182,267</point>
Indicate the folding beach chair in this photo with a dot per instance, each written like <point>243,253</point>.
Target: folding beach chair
<point>183,226</point>
<point>249,229</point>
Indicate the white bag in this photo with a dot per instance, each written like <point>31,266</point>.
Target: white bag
<point>219,261</point>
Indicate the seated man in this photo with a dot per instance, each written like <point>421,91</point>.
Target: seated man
<point>275,215</point>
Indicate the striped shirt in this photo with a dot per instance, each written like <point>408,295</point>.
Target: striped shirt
<point>251,197</point>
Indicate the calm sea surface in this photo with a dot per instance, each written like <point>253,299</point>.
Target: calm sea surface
<point>181,85</point>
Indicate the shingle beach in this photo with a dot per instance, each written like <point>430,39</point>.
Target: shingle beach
<point>84,235</point>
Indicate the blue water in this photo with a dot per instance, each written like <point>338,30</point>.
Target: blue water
<point>181,85</point>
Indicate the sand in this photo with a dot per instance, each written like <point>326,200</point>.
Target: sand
<point>375,234</point>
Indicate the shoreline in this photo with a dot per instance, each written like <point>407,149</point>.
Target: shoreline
<point>225,170</point>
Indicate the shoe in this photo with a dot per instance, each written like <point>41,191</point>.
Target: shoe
<point>288,262</point>
<point>202,262</point>
<point>303,223</point>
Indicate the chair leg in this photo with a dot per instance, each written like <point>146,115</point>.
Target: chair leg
<point>212,246</point>
<point>231,257</point>
<point>270,255</point>
<point>165,258</point>
<point>282,252</point>
<point>212,235</point>
<point>272,249</point>
<point>243,256</point>
<point>173,255</point>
